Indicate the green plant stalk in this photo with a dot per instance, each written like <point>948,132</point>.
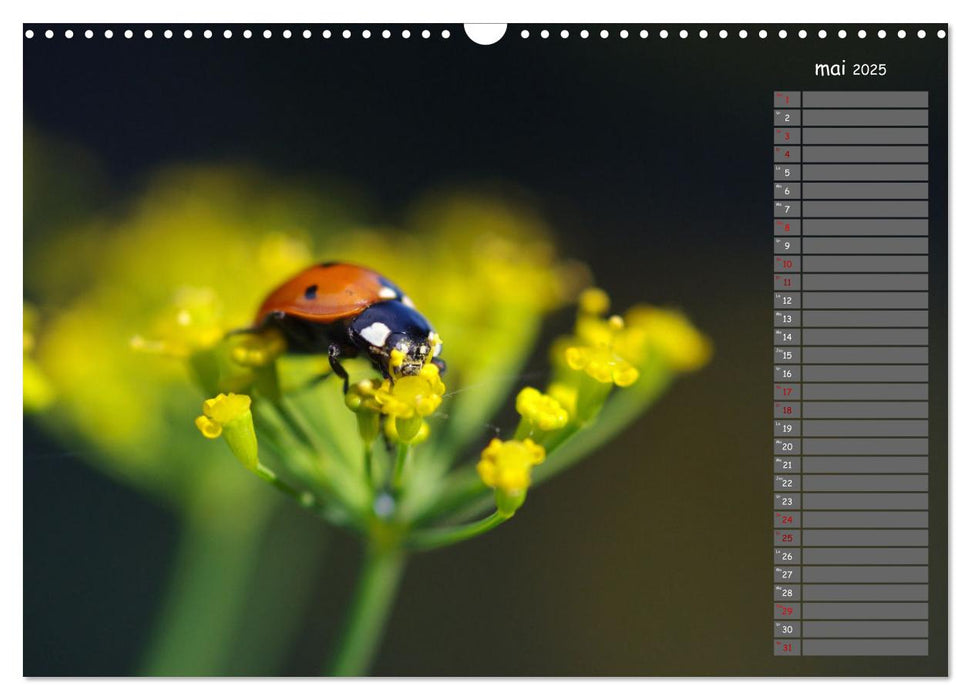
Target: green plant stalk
<point>216,560</point>
<point>292,556</point>
<point>401,458</point>
<point>373,600</point>
<point>443,537</point>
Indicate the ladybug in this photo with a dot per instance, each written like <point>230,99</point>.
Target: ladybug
<point>348,310</point>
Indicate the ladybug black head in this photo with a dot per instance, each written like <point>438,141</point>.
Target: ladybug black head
<point>393,325</point>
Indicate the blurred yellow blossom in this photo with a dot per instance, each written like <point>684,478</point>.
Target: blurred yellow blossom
<point>506,466</point>
<point>540,410</point>
<point>192,321</point>
<point>671,334</point>
<point>37,389</point>
<point>259,349</point>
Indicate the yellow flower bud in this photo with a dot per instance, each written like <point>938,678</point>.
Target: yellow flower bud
<point>229,416</point>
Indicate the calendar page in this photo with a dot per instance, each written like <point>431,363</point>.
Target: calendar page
<point>485,350</point>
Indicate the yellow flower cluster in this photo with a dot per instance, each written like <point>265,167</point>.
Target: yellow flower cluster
<point>406,403</point>
<point>414,395</point>
<point>541,411</point>
<point>597,355</point>
<point>507,466</point>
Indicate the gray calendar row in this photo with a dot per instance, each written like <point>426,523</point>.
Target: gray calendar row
<point>851,409</point>
<point>796,282</point>
<point>850,300</point>
<point>850,154</point>
<point>853,629</point>
<point>852,209</point>
<point>877,483</point>
<point>863,647</point>
<point>852,336</point>
<point>884,99</point>
<point>850,190</point>
<point>857,519</point>
<point>838,355</point>
<point>873,135</point>
<point>847,172</point>
<point>849,592</point>
<point>863,427</point>
<point>852,446</point>
<point>897,391</point>
<point>850,574</point>
<point>852,319</point>
<point>851,263</point>
<point>850,538</point>
<point>851,227</point>
<point>853,482</point>
<point>850,117</point>
<point>857,556</point>
<point>855,611</point>
<point>850,373</point>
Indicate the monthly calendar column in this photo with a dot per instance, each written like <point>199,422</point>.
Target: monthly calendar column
<point>787,372</point>
<point>856,404</point>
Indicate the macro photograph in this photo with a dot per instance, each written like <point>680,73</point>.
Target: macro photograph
<point>370,350</point>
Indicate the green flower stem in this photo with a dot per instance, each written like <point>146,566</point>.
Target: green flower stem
<point>292,555</point>
<point>443,537</point>
<point>297,424</point>
<point>293,453</point>
<point>373,599</point>
<point>216,559</point>
<point>369,474</point>
<point>401,458</point>
<point>463,487</point>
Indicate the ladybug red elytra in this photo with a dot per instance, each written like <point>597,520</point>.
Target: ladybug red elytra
<point>346,310</point>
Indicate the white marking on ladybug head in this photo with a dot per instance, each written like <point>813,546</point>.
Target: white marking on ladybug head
<point>436,343</point>
<point>387,293</point>
<point>376,334</point>
<point>406,300</point>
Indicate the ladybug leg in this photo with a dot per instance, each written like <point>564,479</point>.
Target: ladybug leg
<point>334,353</point>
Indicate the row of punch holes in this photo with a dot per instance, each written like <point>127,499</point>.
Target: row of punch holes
<point>446,33</point>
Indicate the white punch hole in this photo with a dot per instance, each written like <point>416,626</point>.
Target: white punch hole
<point>485,34</point>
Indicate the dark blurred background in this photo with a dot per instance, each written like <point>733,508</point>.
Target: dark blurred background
<point>651,160</point>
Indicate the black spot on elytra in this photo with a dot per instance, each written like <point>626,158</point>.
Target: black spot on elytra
<point>329,263</point>
<point>310,292</point>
